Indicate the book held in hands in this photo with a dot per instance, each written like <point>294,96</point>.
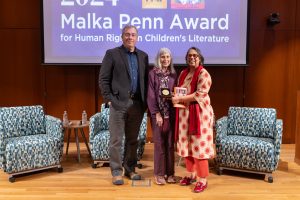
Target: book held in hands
<point>179,91</point>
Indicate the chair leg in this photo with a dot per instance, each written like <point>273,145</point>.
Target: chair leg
<point>269,177</point>
<point>85,141</point>
<point>139,165</point>
<point>60,169</point>
<point>11,179</point>
<point>219,171</point>
<point>77,144</point>
<point>68,140</point>
<point>94,165</point>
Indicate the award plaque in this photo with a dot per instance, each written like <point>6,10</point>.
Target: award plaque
<point>166,93</point>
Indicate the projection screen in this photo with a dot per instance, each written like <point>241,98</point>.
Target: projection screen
<point>80,31</point>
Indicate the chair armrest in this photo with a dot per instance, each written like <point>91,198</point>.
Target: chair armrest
<point>143,129</point>
<point>278,138</point>
<point>94,125</point>
<point>2,149</point>
<point>221,128</point>
<point>54,127</point>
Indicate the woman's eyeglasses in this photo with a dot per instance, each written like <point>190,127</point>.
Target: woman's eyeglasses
<point>193,55</point>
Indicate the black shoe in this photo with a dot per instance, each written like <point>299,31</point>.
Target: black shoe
<point>133,175</point>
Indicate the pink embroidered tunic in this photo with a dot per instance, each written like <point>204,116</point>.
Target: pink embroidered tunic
<point>197,146</point>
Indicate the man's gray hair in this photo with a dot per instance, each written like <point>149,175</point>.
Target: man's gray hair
<point>128,26</point>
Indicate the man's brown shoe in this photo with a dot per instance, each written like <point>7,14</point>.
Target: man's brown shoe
<point>133,175</point>
<point>117,180</point>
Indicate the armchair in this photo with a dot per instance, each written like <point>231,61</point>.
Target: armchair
<point>29,140</point>
<point>99,137</point>
<point>249,140</point>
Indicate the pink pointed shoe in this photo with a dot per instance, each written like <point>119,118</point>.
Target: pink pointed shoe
<point>200,187</point>
<point>186,181</point>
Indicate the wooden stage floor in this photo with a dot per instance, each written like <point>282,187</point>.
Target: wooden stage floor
<point>80,181</point>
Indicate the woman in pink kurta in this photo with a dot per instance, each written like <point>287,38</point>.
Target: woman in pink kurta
<point>194,123</point>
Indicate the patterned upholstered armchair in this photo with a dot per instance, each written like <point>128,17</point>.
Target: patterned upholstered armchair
<point>249,139</point>
<point>99,137</point>
<point>29,140</point>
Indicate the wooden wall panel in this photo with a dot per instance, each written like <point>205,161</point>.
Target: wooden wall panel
<point>297,53</point>
<point>297,140</point>
<point>297,27</point>
<point>55,91</point>
<point>20,14</point>
<point>261,10</point>
<point>297,58</point>
<point>21,74</point>
<point>270,79</point>
<point>71,89</point>
<point>227,88</point>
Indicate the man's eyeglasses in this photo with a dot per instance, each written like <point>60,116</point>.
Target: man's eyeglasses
<point>193,55</point>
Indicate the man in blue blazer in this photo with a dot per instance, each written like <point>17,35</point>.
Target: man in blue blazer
<point>123,83</point>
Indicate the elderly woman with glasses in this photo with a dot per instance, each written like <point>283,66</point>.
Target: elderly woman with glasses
<point>194,122</point>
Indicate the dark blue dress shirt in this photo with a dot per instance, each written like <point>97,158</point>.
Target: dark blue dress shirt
<point>134,71</point>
